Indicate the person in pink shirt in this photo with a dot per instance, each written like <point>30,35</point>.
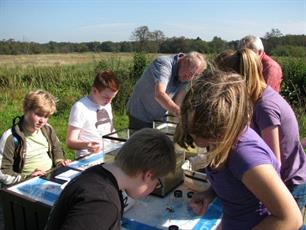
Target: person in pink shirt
<point>272,71</point>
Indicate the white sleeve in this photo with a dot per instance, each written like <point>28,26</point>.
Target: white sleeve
<point>76,117</point>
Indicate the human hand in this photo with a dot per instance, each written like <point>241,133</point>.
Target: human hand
<point>176,111</point>
<point>38,172</point>
<point>199,203</point>
<point>93,147</point>
<point>64,162</point>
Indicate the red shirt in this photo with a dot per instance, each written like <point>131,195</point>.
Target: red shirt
<point>272,72</point>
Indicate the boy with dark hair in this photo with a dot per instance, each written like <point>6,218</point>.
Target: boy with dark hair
<point>94,200</point>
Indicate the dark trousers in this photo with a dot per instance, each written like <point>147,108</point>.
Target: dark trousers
<point>137,124</point>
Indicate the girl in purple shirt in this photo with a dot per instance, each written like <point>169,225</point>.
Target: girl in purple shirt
<point>273,119</point>
<point>242,170</point>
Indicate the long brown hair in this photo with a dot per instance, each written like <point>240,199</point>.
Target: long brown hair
<point>216,108</point>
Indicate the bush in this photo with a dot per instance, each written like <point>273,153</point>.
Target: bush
<point>71,82</point>
<point>289,51</point>
<point>293,87</point>
<point>140,62</point>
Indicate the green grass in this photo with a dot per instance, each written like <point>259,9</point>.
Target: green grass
<point>68,83</point>
<point>72,81</point>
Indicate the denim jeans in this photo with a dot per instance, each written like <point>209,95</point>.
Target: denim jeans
<point>299,194</point>
<point>303,227</point>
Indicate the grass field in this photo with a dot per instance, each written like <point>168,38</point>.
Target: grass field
<point>68,77</point>
<point>58,59</point>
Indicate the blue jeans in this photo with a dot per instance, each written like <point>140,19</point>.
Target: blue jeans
<point>299,194</point>
<point>303,227</point>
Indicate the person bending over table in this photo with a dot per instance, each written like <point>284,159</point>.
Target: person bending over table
<point>161,88</point>
<point>242,169</point>
<point>94,200</point>
<point>273,119</point>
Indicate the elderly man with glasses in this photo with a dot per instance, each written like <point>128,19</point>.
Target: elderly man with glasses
<point>162,87</point>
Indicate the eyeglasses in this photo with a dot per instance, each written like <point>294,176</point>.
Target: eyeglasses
<point>159,184</point>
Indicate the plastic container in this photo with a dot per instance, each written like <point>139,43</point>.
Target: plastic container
<point>194,180</point>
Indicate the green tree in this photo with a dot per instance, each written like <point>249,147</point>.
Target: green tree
<point>217,45</point>
<point>157,37</point>
<point>273,33</point>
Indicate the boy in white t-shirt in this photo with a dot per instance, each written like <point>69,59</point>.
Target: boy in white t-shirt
<point>91,117</point>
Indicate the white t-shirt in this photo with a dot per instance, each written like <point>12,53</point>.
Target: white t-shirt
<point>93,120</point>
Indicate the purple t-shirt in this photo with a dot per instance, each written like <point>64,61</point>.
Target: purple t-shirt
<point>241,209</point>
<point>273,110</point>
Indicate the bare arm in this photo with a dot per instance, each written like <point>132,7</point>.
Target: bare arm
<point>271,136</point>
<point>164,100</point>
<point>180,97</point>
<point>200,201</point>
<point>73,141</point>
<point>266,185</point>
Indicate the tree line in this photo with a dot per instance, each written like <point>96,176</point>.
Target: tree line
<point>143,40</point>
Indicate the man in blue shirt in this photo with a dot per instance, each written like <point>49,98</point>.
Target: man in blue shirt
<point>161,88</point>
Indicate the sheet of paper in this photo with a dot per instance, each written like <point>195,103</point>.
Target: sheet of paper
<point>88,161</point>
<point>95,159</point>
<point>159,213</point>
<point>68,175</point>
<point>39,189</point>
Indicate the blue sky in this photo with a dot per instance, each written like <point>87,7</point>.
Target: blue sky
<point>115,20</point>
